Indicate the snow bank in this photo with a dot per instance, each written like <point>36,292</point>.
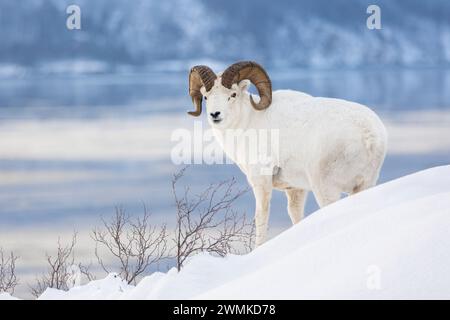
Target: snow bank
<point>388,242</point>
<point>6,296</point>
<point>112,287</point>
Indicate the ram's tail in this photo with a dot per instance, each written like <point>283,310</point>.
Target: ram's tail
<point>375,141</point>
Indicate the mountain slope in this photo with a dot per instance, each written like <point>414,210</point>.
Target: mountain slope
<point>306,33</point>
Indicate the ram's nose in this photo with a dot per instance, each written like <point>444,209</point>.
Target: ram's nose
<point>215,115</point>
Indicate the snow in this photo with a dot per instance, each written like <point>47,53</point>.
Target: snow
<point>389,242</point>
<point>73,66</point>
<point>6,296</point>
<point>109,288</point>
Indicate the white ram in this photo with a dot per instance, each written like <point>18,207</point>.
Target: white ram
<point>329,146</point>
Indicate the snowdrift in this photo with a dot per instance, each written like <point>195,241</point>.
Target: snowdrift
<point>389,242</point>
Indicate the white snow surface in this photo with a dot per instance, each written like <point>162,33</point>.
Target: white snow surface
<point>6,296</point>
<point>389,242</point>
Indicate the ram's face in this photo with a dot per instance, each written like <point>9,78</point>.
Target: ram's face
<point>223,104</point>
<point>224,93</point>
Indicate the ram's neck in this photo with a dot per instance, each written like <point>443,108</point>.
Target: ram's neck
<point>246,112</point>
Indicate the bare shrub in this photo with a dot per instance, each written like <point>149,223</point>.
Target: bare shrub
<point>62,271</point>
<point>8,278</point>
<point>206,221</point>
<point>135,244</point>
<point>86,271</point>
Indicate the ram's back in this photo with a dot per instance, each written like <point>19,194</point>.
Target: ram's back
<point>311,127</point>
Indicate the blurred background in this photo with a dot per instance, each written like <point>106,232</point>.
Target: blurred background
<point>86,116</point>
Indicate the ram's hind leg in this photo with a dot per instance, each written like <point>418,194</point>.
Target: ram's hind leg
<point>296,204</point>
<point>363,183</point>
<point>326,195</point>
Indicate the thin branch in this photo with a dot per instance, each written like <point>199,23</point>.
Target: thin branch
<point>60,268</point>
<point>206,221</point>
<point>134,244</point>
<point>8,278</point>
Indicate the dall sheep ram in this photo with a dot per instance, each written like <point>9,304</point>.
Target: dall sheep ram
<point>327,146</point>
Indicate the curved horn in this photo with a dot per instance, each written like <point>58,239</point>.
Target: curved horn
<point>198,77</point>
<point>256,74</point>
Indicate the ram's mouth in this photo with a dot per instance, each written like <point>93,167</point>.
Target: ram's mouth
<point>217,120</point>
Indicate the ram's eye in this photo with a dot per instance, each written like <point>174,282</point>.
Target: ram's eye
<point>205,98</point>
<point>233,95</point>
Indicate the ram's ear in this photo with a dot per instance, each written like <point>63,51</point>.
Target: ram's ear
<point>243,85</point>
<point>203,90</point>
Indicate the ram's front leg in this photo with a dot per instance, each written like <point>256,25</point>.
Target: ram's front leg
<point>263,194</point>
<point>296,204</point>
